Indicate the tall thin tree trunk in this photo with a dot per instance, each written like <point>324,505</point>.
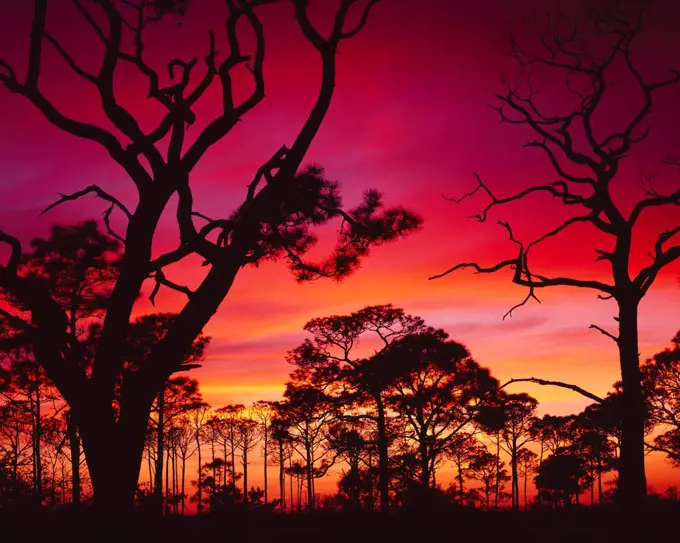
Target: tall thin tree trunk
<point>166,509</point>
<point>160,453</point>
<point>515,481</point>
<point>310,467</point>
<point>74,445</point>
<point>290,484</point>
<point>184,465</point>
<point>383,458</point>
<point>199,494</point>
<point>424,463</point>
<point>245,472</point>
<point>498,470</point>
<point>265,445</point>
<point>282,479</point>
<point>38,437</point>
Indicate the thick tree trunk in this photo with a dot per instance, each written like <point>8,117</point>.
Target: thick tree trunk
<point>424,464</point>
<point>632,487</point>
<point>383,458</point>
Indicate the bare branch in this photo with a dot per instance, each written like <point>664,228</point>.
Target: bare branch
<point>560,384</point>
<point>98,191</point>
<point>88,17</point>
<point>161,279</point>
<point>662,258</point>
<point>361,23</point>
<point>557,166</point>
<point>69,60</point>
<point>604,332</point>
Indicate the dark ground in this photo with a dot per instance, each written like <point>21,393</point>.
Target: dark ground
<point>659,523</point>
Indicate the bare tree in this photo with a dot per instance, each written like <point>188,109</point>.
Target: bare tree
<point>280,208</point>
<point>589,56</point>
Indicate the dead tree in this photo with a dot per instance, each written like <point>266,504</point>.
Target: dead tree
<point>281,206</point>
<point>589,55</point>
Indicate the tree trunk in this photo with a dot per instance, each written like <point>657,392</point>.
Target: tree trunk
<point>199,495</point>
<point>282,479</point>
<point>310,490</point>
<point>383,458</point>
<point>160,453</point>
<point>166,508</point>
<point>113,451</point>
<point>424,464</point>
<point>264,454</point>
<point>632,487</point>
<point>461,490</point>
<point>498,470</point>
<point>74,444</point>
<point>245,473</point>
<point>184,464</point>
<point>37,435</point>
<point>515,480</point>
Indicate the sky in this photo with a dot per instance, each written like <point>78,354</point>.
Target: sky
<point>410,117</point>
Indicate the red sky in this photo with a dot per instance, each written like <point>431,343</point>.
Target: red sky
<point>410,118</point>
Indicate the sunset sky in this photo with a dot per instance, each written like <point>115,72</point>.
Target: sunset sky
<point>410,118</point>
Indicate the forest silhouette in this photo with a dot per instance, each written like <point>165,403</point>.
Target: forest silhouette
<point>104,431</point>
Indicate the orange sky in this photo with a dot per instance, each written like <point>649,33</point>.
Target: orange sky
<point>410,119</point>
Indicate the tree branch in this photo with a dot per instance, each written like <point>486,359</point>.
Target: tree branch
<point>98,191</point>
<point>604,332</point>
<point>560,384</point>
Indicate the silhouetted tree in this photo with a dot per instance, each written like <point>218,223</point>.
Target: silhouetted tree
<point>527,463</point>
<point>331,360</point>
<point>661,382</point>
<point>436,391</point>
<point>590,56</point>
<point>485,468</point>
<point>462,449</point>
<point>263,413</point>
<point>249,436</point>
<point>518,420</point>
<point>77,265</point>
<point>553,432</point>
<point>198,419</point>
<point>558,478</point>
<point>276,218</point>
<point>354,445</point>
<point>308,412</point>
<point>281,452</point>
<point>179,396</point>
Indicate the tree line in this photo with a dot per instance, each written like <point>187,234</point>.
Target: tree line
<point>378,396</point>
